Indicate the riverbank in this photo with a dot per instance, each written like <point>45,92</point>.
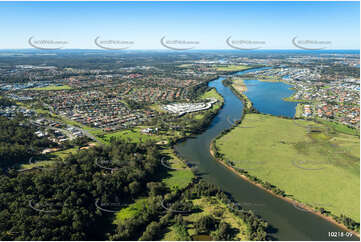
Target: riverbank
<point>238,86</point>
<point>289,221</point>
<point>287,199</point>
<point>240,95</point>
<point>299,149</point>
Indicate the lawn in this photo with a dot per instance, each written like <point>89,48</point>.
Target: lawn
<point>49,162</point>
<point>64,153</point>
<point>44,163</point>
<point>212,94</point>
<point>317,166</point>
<point>181,176</point>
<point>130,211</point>
<point>232,68</point>
<point>51,88</point>
<point>178,179</point>
<point>133,135</point>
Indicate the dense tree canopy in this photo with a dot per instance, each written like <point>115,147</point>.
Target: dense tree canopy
<point>18,142</point>
<point>65,197</point>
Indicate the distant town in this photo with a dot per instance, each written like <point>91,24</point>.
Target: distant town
<point>118,97</point>
<point>334,99</point>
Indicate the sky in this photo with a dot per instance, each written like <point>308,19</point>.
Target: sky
<point>207,25</point>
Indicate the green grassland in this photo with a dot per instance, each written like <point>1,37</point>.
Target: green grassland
<point>211,206</point>
<point>62,154</point>
<point>45,163</point>
<point>313,162</point>
<point>130,211</point>
<point>133,135</point>
<point>232,68</point>
<point>51,88</point>
<point>181,176</point>
<point>212,94</point>
<point>340,127</point>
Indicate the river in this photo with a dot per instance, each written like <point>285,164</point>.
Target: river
<point>289,222</point>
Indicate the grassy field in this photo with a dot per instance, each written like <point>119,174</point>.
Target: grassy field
<point>45,163</point>
<point>340,127</point>
<point>209,206</point>
<point>51,88</point>
<point>232,68</point>
<point>130,211</point>
<point>49,162</point>
<point>134,135</point>
<point>318,166</point>
<point>212,94</point>
<point>181,176</point>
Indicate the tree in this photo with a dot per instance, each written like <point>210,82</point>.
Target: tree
<point>181,232</point>
<point>205,224</point>
<point>152,232</point>
<point>155,188</point>
<point>134,187</point>
<point>224,232</point>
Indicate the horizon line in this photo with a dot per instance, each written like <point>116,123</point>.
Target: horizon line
<point>164,49</point>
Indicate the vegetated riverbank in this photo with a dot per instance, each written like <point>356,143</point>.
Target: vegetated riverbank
<point>201,201</point>
<point>248,106</point>
<point>342,222</point>
<point>289,222</point>
<point>255,181</point>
